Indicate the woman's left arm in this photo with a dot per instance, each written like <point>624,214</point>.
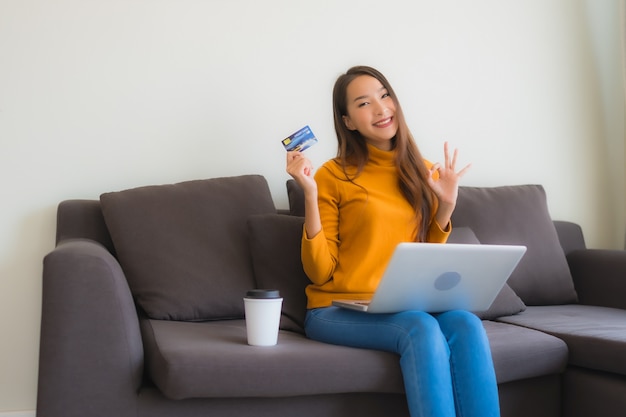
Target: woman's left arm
<point>446,186</point>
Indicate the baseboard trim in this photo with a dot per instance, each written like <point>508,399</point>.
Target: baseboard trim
<point>17,413</point>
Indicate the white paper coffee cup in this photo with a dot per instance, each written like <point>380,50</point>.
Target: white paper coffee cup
<point>262,309</point>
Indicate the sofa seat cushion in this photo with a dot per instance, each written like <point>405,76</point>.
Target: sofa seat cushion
<point>213,359</point>
<point>521,353</point>
<point>184,247</point>
<point>595,336</point>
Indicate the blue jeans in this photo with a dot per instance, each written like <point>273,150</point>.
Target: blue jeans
<point>445,358</point>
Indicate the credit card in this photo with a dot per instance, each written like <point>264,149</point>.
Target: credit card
<point>300,140</point>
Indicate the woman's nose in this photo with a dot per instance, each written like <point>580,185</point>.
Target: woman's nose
<point>380,108</point>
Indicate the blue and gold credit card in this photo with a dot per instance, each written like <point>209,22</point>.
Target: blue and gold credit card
<point>300,140</point>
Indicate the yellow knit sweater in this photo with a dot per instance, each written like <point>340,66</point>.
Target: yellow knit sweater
<point>362,222</point>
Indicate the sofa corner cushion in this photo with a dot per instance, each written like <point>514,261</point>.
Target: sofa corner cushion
<point>184,247</point>
<point>520,353</point>
<point>519,215</point>
<point>275,243</point>
<point>595,335</point>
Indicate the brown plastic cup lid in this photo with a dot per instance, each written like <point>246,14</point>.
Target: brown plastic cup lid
<point>263,294</point>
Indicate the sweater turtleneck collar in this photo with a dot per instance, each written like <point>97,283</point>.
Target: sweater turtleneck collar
<point>380,157</point>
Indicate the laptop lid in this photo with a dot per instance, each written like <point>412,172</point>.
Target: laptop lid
<point>436,277</point>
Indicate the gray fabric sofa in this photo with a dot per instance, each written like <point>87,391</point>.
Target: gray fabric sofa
<point>142,311</point>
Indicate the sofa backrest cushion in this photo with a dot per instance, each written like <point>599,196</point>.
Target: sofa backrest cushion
<point>295,196</point>
<point>184,247</point>
<point>519,215</point>
<point>275,242</point>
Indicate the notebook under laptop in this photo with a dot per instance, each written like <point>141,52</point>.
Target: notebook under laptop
<point>436,277</point>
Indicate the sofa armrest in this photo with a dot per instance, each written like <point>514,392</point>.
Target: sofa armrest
<point>599,276</point>
<point>91,352</point>
<point>570,236</point>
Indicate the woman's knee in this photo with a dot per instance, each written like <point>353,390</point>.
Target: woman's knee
<point>460,322</point>
<point>459,316</point>
<point>421,327</point>
<point>418,321</point>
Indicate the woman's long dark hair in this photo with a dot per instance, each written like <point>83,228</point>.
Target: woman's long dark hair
<point>352,151</point>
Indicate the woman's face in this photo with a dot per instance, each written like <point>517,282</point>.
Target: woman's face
<point>371,111</point>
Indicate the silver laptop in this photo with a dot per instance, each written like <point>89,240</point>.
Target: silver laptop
<point>435,277</point>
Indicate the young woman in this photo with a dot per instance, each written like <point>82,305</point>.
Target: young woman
<point>376,193</point>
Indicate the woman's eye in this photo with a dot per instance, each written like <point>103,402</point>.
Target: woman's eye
<point>365,103</point>
<point>386,95</point>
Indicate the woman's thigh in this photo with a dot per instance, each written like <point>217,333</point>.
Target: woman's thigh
<point>388,332</point>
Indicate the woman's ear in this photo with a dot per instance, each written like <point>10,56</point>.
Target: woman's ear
<point>348,123</point>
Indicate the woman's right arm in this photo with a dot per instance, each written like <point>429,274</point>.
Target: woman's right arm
<point>319,253</point>
<point>301,169</point>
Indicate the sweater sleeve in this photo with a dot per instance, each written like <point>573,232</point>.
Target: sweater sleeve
<point>436,234</point>
<point>319,253</point>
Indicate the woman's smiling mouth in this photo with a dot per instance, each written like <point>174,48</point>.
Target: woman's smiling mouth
<point>385,122</point>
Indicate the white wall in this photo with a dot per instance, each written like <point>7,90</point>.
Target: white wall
<point>98,96</point>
